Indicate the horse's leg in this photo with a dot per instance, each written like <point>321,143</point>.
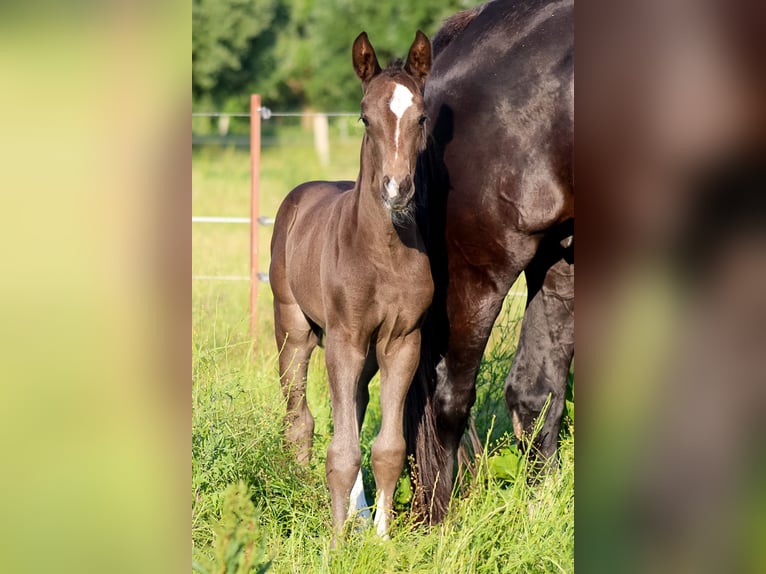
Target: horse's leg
<point>363,391</point>
<point>345,363</point>
<point>545,350</point>
<point>295,340</point>
<point>471,312</point>
<point>398,361</point>
<point>357,500</point>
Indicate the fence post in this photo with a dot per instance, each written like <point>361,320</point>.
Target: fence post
<point>322,139</point>
<point>255,169</point>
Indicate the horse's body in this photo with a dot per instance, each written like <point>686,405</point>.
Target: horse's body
<point>497,199</point>
<point>348,262</point>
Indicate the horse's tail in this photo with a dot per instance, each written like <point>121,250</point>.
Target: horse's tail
<point>426,455</point>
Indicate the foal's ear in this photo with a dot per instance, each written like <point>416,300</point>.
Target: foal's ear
<point>365,61</point>
<point>419,59</point>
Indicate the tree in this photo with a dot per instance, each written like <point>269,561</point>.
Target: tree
<point>224,34</point>
<point>297,53</point>
<point>391,27</point>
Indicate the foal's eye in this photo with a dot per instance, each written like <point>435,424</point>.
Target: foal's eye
<point>422,120</point>
<point>364,120</point>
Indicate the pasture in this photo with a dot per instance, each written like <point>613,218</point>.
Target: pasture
<point>253,508</point>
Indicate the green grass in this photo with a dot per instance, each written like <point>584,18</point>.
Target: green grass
<point>253,508</point>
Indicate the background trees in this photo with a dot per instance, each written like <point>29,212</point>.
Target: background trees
<point>296,53</point>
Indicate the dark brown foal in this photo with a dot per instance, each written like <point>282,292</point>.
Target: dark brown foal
<point>347,261</point>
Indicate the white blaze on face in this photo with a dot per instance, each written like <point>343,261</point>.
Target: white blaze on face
<point>400,102</point>
<point>357,502</point>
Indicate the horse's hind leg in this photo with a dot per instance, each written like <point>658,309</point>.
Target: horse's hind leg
<point>398,362</point>
<point>295,340</point>
<point>545,350</point>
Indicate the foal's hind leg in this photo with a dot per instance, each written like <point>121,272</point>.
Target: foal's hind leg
<point>296,340</point>
<point>544,354</point>
<point>398,362</point>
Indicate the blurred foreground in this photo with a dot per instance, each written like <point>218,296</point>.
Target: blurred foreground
<point>671,326</point>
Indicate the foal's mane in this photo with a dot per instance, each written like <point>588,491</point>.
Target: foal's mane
<point>394,68</point>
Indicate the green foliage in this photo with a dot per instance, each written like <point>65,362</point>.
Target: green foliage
<point>569,406</point>
<point>506,463</point>
<point>297,53</point>
<point>403,495</point>
<point>239,545</point>
<point>323,54</point>
<point>223,34</point>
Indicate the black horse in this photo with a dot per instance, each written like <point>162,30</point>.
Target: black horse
<point>496,197</point>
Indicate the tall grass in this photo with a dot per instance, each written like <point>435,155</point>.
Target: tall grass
<point>253,508</point>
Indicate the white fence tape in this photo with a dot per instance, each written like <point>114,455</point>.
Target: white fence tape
<point>213,219</point>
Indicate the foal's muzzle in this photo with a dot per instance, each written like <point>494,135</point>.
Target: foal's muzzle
<point>397,193</point>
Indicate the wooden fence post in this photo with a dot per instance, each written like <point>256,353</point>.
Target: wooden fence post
<point>255,168</point>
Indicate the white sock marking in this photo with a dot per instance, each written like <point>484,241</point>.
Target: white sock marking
<point>357,502</point>
<point>381,520</point>
<point>400,101</point>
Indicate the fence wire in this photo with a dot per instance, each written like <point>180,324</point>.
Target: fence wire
<point>266,113</point>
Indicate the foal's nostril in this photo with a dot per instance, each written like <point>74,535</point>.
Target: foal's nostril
<point>406,184</point>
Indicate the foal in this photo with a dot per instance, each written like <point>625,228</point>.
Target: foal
<point>347,262</point>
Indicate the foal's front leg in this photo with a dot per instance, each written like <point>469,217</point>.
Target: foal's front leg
<point>345,361</point>
<point>358,501</point>
<point>398,359</point>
